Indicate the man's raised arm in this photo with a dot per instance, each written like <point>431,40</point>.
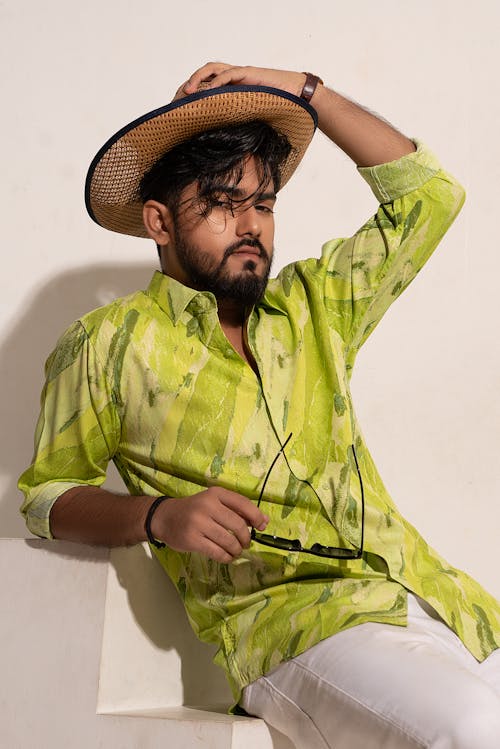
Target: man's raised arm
<point>364,137</point>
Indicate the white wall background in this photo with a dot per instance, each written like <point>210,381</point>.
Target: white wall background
<point>427,381</point>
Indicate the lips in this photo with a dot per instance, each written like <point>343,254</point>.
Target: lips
<point>247,250</point>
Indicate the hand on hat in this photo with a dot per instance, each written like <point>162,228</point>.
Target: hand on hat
<point>214,74</point>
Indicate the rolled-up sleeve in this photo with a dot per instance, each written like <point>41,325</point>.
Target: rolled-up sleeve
<point>367,272</point>
<point>78,429</point>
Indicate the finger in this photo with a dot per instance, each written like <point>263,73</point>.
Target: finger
<point>180,93</point>
<point>233,523</point>
<point>227,76</point>
<point>205,73</point>
<point>213,551</point>
<point>224,539</point>
<point>243,507</point>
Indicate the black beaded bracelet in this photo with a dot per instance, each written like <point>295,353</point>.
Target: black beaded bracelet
<point>147,525</point>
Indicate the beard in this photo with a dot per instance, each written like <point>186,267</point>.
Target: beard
<point>245,287</point>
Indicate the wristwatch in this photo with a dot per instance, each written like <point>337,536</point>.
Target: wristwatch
<point>310,86</point>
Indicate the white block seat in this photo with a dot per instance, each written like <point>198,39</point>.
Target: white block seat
<point>96,652</point>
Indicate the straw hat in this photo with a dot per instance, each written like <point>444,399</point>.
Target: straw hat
<point>112,184</point>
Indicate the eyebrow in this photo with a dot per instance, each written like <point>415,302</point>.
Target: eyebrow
<point>237,192</point>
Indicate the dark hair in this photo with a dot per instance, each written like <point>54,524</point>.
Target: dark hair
<point>216,156</point>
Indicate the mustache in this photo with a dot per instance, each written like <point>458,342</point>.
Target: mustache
<point>252,242</point>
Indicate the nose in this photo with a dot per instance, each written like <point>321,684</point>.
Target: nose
<point>248,222</point>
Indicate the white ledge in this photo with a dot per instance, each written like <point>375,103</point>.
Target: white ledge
<point>96,650</point>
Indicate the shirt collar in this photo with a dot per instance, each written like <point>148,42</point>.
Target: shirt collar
<point>174,298</point>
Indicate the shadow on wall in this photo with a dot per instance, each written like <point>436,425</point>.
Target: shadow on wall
<point>22,358</point>
<point>158,612</point>
<point>150,617</point>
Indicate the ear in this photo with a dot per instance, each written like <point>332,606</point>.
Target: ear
<point>157,220</point>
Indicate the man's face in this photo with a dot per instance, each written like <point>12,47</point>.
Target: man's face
<point>229,250</point>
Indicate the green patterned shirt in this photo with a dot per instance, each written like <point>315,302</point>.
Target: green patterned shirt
<point>151,382</point>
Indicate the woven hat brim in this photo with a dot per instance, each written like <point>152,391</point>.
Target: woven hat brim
<point>112,184</point>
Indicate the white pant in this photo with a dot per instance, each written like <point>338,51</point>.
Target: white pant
<point>379,686</point>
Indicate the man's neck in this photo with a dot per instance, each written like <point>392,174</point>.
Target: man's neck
<point>232,318</point>
<point>231,313</point>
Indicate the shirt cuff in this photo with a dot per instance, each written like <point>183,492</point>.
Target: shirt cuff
<point>397,178</point>
<point>38,504</point>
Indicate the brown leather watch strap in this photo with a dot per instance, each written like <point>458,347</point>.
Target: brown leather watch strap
<point>310,86</point>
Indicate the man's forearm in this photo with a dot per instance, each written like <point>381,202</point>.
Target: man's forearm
<point>214,522</point>
<point>363,136</point>
<point>90,515</point>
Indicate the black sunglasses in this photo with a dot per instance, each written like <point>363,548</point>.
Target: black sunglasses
<point>293,544</point>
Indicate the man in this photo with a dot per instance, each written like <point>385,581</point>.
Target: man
<point>223,398</point>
